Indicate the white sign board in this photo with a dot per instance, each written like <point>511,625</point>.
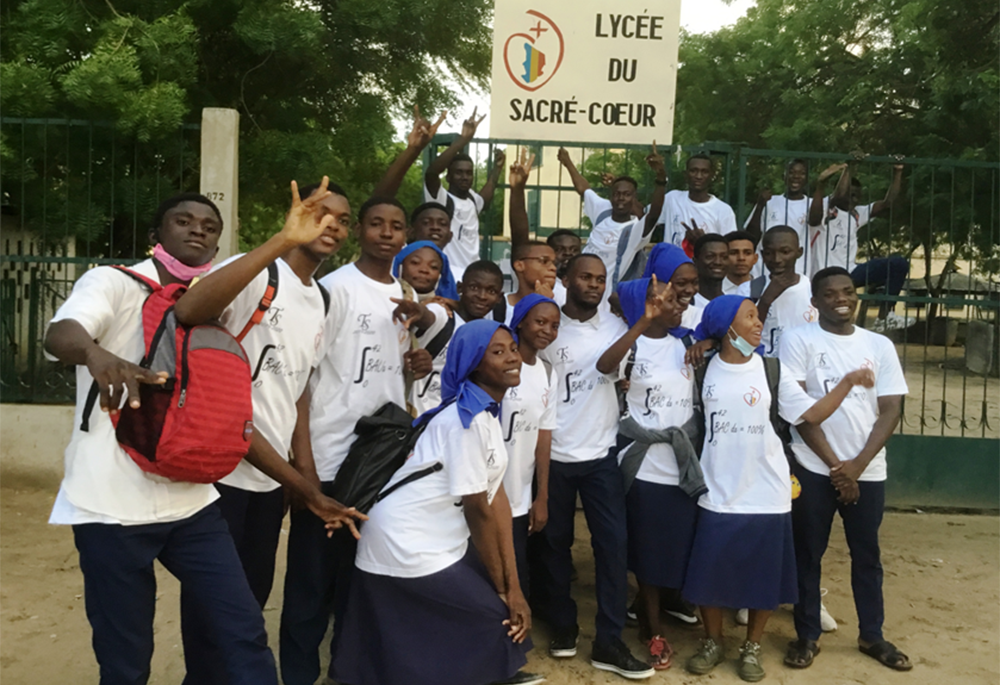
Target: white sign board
<point>585,70</point>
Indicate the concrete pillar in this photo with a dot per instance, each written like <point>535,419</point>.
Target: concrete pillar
<point>220,172</point>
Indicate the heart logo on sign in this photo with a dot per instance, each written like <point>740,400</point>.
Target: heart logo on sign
<point>533,58</point>
<point>752,397</point>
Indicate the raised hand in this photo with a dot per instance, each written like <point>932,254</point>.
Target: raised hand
<point>470,125</point>
<point>692,232</point>
<point>607,178</point>
<point>521,169</point>
<point>303,223</point>
<point>408,312</point>
<point>499,159</point>
<point>765,196</point>
<point>563,157</point>
<point>115,376</point>
<point>655,162</point>
<point>656,302</point>
<point>423,131</point>
<point>831,170</point>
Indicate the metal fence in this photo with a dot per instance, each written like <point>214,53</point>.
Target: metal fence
<point>76,194</point>
<point>73,194</point>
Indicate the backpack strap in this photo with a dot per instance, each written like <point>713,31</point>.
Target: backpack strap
<point>95,392</point>
<point>500,310</point>
<point>631,362</point>
<point>270,292</point>
<point>757,287</point>
<point>325,294</point>
<point>772,371</point>
<point>416,475</point>
<point>606,214</point>
<point>439,341</point>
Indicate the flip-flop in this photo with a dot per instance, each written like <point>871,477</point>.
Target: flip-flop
<point>801,653</point>
<point>886,654</point>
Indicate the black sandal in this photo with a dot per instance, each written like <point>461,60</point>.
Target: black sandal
<point>887,655</point>
<point>801,653</point>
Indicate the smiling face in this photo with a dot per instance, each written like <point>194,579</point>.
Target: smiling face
<point>540,327</point>
<point>747,324</point>
<point>685,282</point>
<point>836,299</point>
<point>500,367</point>
<point>189,232</point>
<point>622,198</point>
<point>422,269</point>
<point>712,259</point>
<point>336,233</point>
<point>566,247</point>
<point>432,224</point>
<point>479,292</point>
<point>382,233</point>
<point>795,178</point>
<point>780,250</point>
<point>672,312</point>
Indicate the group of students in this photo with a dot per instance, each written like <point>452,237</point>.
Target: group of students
<point>588,381</point>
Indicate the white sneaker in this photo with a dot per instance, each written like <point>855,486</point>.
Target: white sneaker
<point>743,616</point>
<point>826,622</point>
<point>895,322</point>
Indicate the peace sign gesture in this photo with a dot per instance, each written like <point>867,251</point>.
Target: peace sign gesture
<point>470,125</point>
<point>656,301</point>
<point>423,131</point>
<point>302,225</point>
<point>521,169</point>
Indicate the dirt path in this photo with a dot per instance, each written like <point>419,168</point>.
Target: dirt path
<point>942,586</point>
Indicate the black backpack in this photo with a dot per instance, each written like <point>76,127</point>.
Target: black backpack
<point>385,440</point>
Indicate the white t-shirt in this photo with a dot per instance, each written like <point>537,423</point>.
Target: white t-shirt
<point>745,467</point>
<point>730,288</point>
<point>101,483</point>
<point>606,236</point>
<point>660,395</point>
<point>821,359</point>
<point>420,528</point>
<point>714,216</point>
<point>835,242</point>
<point>526,409</point>
<point>426,393</point>
<point>587,413</point>
<point>283,348</point>
<point>792,308</point>
<point>559,293</point>
<point>780,211</point>
<point>361,363</point>
<point>464,246</point>
<point>692,315</point>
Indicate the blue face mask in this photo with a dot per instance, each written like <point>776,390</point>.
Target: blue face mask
<point>741,345</point>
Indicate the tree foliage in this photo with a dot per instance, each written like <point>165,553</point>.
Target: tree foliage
<point>316,83</point>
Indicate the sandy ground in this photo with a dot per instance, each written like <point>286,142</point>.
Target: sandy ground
<point>939,570</point>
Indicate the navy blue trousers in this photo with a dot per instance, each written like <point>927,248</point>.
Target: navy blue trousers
<point>599,483</point>
<point>317,581</point>
<point>120,592</point>
<point>521,552</point>
<point>254,521</point>
<point>812,518</point>
<point>888,271</point>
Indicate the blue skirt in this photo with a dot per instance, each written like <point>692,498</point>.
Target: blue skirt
<point>742,561</point>
<point>661,525</point>
<point>438,629</point>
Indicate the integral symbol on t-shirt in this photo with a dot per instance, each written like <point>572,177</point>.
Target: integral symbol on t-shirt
<point>752,397</point>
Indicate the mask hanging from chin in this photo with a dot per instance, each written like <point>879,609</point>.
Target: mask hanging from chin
<point>176,267</point>
<point>741,345</point>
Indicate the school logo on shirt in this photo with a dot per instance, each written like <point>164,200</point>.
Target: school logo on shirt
<point>821,362</point>
<point>364,324</point>
<point>810,315</point>
<point>752,397</point>
<point>708,391</point>
<point>686,372</point>
<point>274,317</point>
<point>491,459</point>
<point>564,356</point>
<point>868,364</point>
<point>532,57</point>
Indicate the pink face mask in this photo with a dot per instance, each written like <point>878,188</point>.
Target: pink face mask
<point>176,267</point>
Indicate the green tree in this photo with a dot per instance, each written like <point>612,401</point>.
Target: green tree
<point>317,85</point>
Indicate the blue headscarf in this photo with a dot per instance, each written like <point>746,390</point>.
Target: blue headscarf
<point>525,305</point>
<point>664,260</point>
<point>446,284</point>
<point>718,316</point>
<point>465,351</point>
<point>632,300</point>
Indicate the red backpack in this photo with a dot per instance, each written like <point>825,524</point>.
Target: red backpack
<point>197,426</point>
